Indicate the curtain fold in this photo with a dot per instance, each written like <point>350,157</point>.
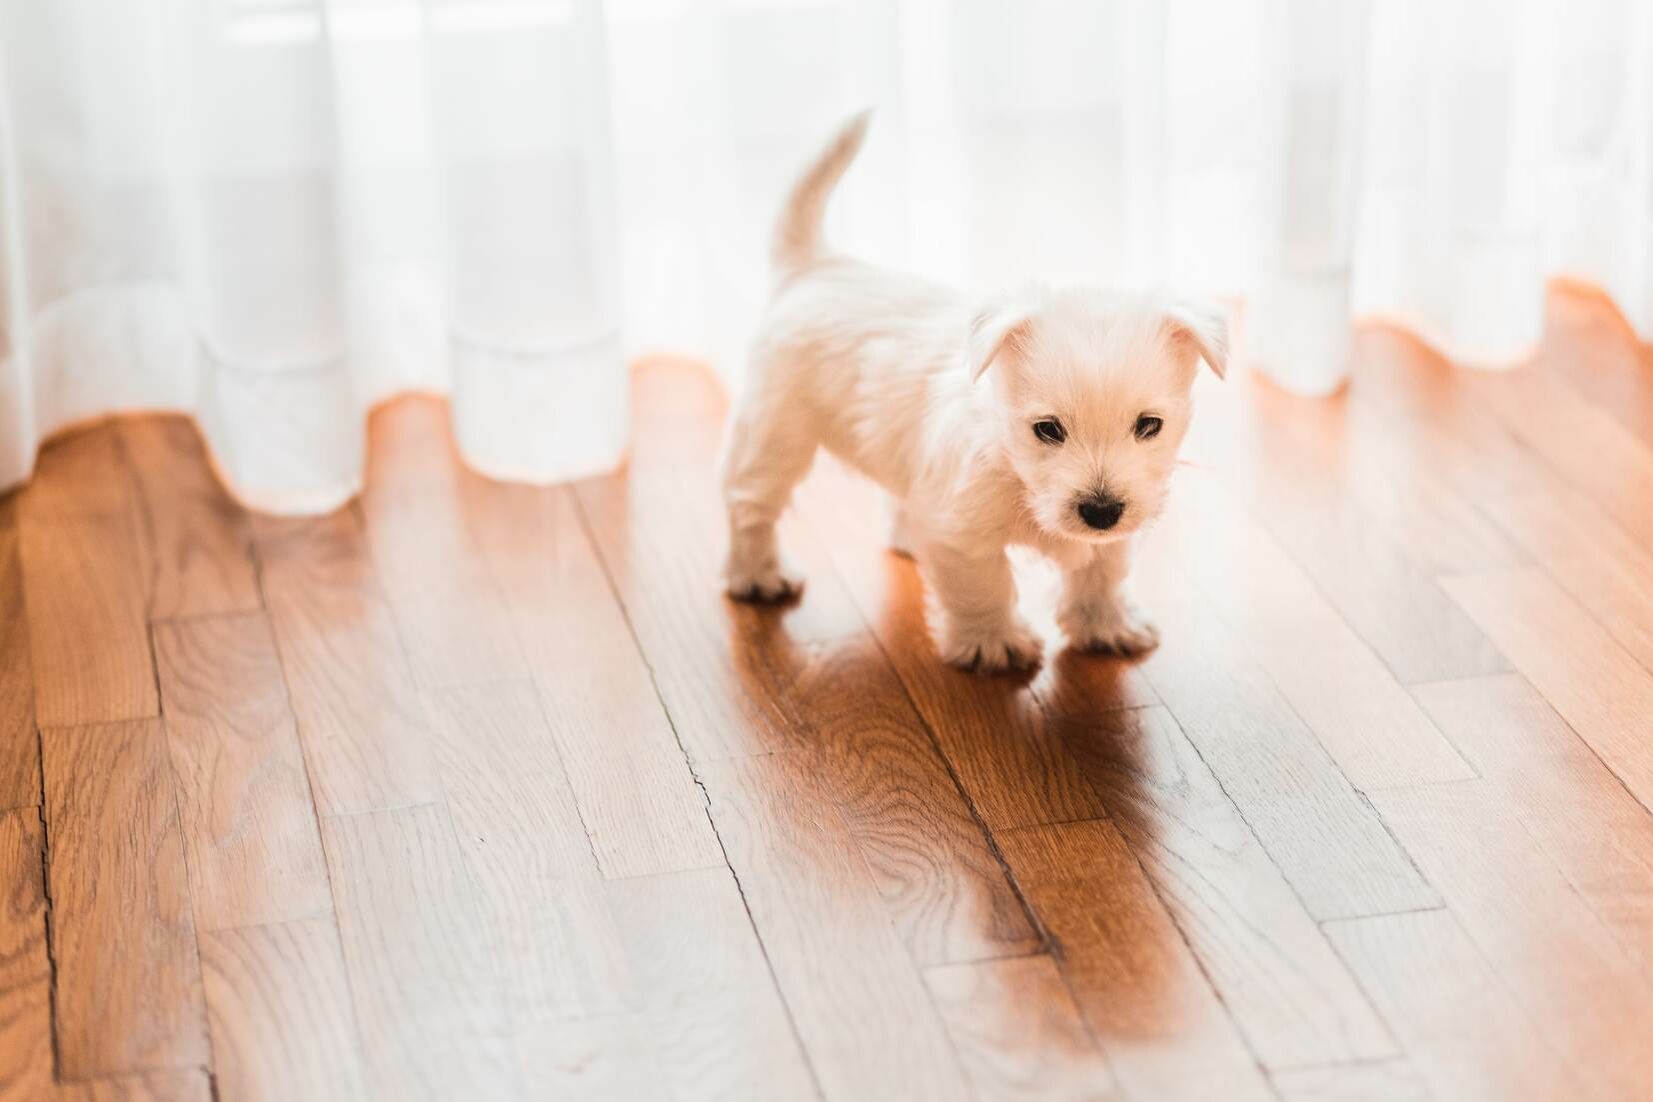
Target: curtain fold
<point>272,214</point>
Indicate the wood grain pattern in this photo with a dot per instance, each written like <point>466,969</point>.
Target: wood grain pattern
<point>499,797</point>
<point>279,1008</point>
<point>1605,570</point>
<point>243,796</point>
<point>708,1005</point>
<point>538,896</point>
<point>635,791</point>
<point>1271,764</point>
<point>1018,1032</point>
<point>453,621</point>
<point>1290,995</point>
<point>841,967</point>
<point>128,980</point>
<point>1550,419</point>
<point>765,687</point>
<point>424,983</point>
<point>1594,831</point>
<point>660,532</point>
<point>88,639</point>
<point>945,889</point>
<point>992,735</point>
<point>359,716</point>
<point>1368,724</point>
<point>1467,1036</point>
<point>19,745</point>
<point>606,1057</point>
<point>25,971</point>
<point>1376,1081</point>
<point>190,1085</point>
<point>1162,1028</point>
<point>1589,343</point>
<point>1575,982</point>
<point>1605,694</point>
<point>199,538</point>
<point>1359,508</point>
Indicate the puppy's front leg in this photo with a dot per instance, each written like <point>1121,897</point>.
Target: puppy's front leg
<point>976,595</point>
<point>1095,611</point>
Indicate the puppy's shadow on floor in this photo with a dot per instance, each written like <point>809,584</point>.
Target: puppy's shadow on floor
<point>1075,761</point>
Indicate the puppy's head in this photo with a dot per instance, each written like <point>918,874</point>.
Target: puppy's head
<point>1093,397</point>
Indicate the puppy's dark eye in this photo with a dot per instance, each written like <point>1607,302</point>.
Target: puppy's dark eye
<point>1050,431</point>
<point>1148,426</point>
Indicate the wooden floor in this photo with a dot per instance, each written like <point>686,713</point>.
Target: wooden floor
<point>477,791</point>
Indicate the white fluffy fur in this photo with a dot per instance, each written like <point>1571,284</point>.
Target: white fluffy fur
<point>934,399</point>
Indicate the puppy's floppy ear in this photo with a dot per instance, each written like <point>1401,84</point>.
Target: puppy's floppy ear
<point>1202,327</point>
<point>998,329</point>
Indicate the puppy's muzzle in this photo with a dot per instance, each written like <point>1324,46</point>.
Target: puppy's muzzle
<point>1100,511</point>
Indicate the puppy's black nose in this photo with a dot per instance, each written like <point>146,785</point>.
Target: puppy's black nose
<point>1101,512</point>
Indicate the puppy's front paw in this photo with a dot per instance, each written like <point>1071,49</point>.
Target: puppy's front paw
<point>1011,646</point>
<point>767,580</point>
<point>1108,628</point>
<point>766,583</point>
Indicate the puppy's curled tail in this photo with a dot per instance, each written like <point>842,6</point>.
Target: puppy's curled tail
<point>797,240</point>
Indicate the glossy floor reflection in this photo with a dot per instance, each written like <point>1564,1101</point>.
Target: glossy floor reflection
<point>475,791</point>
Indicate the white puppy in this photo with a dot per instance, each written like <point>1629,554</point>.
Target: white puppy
<point>1049,418</point>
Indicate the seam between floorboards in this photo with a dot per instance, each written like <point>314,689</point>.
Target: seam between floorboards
<point>596,549</point>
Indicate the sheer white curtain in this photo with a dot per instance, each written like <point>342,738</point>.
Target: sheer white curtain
<point>273,213</point>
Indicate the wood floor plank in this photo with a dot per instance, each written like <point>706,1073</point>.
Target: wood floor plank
<point>19,745</point>
<point>1590,826</point>
<point>424,983</point>
<point>1389,468</point>
<point>1290,994</point>
<point>200,539</point>
<point>761,686</point>
<point>992,731</point>
<point>1391,1080</point>
<point>1601,567</point>
<point>1018,1032</point>
<point>1590,344</point>
<point>1466,1035</point>
<point>278,1005</point>
<point>605,1057</point>
<point>1439,411</point>
<point>88,640</point>
<point>1329,843</point>
<point>1600,690</point>
<point>128,982</point>
<point>453,619</point>
<point>538,897</point>
<point>1579,987</point>
<point>944,887</point>
<point>635,791</point>
<point>1363,515</point>
<point>360,721</point>
<point>989,730</point>
<point>25,970</point>
<point>1161,1026</point>
<point>191,1085</point>
<point>243,795</point>
<point>858,1000</point>
<point>1368,724</point>
<point>660,530</point>
<point>1550,418</point>
<point>707,1000</point>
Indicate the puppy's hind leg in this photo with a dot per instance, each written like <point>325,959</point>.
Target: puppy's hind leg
<point>766,456</point>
